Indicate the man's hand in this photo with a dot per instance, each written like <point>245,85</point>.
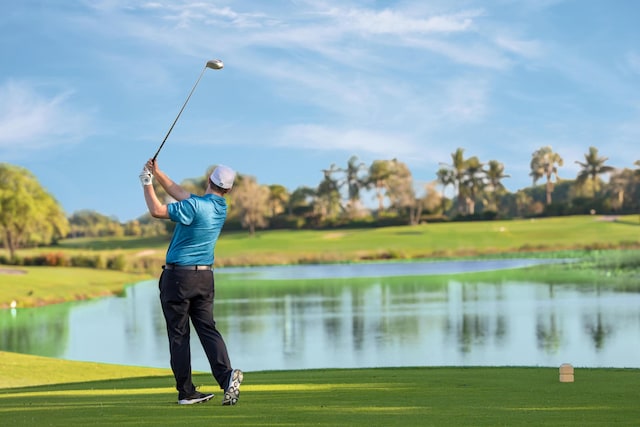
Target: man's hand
<point>146,177</point>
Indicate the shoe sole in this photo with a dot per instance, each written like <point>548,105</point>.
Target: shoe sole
<point>232,394</point>
<point>192,401</point>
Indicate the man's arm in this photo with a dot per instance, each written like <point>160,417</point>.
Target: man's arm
<point>156,208</point>
<point>173,189</point>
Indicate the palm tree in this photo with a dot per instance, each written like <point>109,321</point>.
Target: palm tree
<point>353,181</point>
<point>545,163</point>
<point>456,175</point>
<point>379,174</point>
<point>495,174</point>
<point>445,177</point>
<point>593,166</point>
<point>328,194</point>
<point>472,182</point>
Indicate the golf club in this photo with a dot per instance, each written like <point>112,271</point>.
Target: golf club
<point>214,64</point>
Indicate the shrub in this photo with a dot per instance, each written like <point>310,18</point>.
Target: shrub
<point>119,262</point>
<point>87,261</point>
<point>56,259</point>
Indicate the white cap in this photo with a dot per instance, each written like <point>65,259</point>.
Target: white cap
<point>223,177</point>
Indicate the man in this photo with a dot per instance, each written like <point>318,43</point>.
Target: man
<point>187,282</point>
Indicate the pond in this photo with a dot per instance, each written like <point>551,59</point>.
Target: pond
<point>382,320</point>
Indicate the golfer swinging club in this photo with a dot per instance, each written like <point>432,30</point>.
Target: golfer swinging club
<point>187,283</point>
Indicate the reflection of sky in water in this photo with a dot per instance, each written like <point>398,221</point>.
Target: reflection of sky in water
<point>380,269</point>
<point>379,323</point>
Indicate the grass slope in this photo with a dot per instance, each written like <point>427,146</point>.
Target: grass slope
<point>36,286</point>
<point>77,393</point>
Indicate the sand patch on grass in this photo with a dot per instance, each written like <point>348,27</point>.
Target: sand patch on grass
<point>4,270</point>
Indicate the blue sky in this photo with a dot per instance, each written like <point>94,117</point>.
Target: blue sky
<point>88,89</point>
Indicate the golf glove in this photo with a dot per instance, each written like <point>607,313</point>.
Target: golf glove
<point>146,177</point>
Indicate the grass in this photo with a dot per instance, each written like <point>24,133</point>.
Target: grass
<point>79,393</point>
<point>41,391</point>
<point>35,286</point>
<point>401,242</point>
<point>427,240</point>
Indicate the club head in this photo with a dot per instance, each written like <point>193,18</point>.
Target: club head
<point>215,64</point>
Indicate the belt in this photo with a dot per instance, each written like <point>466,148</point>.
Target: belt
<point>186,267</point>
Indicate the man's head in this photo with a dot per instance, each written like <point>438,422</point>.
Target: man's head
<point>222,177</point>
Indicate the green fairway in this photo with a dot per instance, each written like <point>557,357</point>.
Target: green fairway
<point>398,242</point>
<point>77,393</point>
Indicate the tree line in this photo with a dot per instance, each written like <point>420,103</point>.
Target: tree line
<point>466,188</point>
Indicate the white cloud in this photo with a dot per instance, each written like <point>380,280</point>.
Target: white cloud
<point>30,120</point>
<point>350,140</point>
<point>397,23</point>
<point>524,48</point>
<point>467,100</point>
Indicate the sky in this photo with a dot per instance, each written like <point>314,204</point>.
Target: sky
<point>89,88</point>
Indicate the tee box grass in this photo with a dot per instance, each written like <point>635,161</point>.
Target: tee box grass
<point>63,393</point>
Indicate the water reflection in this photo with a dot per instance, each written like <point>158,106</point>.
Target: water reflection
<point>390,321</point>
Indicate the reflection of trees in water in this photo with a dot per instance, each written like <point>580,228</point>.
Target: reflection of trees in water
<point>477,330</point>
<point>471,320</point>
<point>42,331</point>
<point>548,333</point>
<point>597,329</point>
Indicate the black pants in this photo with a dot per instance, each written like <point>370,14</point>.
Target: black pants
<point>188,294</point>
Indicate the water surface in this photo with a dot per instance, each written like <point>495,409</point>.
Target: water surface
<point>335,323</point>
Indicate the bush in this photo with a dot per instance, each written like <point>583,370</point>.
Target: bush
<point>87,261</point>
<point>119,262</point>
<point>56,259</point>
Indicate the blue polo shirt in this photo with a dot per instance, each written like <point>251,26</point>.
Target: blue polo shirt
<point>199,220</point>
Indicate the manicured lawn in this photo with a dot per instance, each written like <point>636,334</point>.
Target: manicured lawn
<point>79,393</point>
<point>400,242</point>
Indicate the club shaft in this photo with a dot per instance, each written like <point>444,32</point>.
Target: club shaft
<point>179,113</point>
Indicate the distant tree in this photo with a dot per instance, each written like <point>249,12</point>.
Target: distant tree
<point>133,228</point>
<point>592,167</point>
<point>472,183</point>
<point>523,203</point>
<point>432,199</point>
<point>251,200</point>
<point>379,174</point>
<point>328,200</point>
<point>278,199</point>
<point>494,175</point>
<point>445,177</point>
<point>28,213</point>
<point>620,182</point>
<point>544,164</point>
<point>401,192</point>
<point>88,223</point>
<point>301,198</point>
<point>354,182</point>
<point>456,175</point>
